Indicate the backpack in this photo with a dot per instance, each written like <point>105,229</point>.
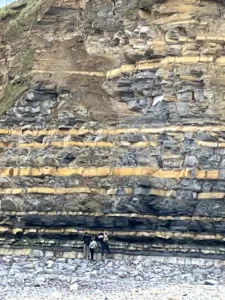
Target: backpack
<point>105,239</point>
<point>93,245</point>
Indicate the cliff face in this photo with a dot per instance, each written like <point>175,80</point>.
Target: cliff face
<point>112,117</point>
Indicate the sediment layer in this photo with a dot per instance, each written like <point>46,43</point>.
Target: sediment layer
<point>113,121</point>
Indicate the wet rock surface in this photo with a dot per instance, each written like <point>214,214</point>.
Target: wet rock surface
<point>39,278</point>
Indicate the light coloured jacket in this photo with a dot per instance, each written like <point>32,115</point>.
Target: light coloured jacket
<point>93,245</point>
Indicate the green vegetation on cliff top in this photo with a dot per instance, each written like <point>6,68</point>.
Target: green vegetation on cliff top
<point>13,90</point>
<point>32,12</point>
<point>24,14</point>
<point>6,12</point>
<point>10,94</point>
<point>12,9</point>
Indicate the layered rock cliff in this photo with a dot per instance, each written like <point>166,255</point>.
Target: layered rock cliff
<point>112,117</point>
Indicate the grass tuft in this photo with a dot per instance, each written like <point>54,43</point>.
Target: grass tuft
<point>12,9</point>
<point>6,12</point>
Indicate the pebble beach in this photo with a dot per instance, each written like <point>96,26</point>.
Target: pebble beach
<point>39,278</point>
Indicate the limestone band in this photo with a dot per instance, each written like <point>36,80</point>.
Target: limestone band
<point>142,144</point>
<point>113,131</point>
<point>102,172</point>
<point>147,65</point>
<point>111,191</point>
<point>60,241</point>
<point>139,234</point>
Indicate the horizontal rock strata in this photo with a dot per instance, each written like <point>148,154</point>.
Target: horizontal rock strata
<point>112,118</point>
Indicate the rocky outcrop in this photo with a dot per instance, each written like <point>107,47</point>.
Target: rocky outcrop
<point>112,118</point>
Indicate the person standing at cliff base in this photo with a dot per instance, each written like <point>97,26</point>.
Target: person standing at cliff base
<point>86,240</point>
<point>93,245</point>
<point>104,242</point>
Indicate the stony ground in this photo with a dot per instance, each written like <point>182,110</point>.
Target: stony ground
<point>42,278</point>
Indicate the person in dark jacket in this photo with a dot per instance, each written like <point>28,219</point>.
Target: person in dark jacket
<point>104,243</point>
<point>86,240</point>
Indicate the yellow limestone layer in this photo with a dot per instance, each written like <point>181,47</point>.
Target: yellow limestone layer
<point>59,191</point>
<point>159,234</point>
<point>101,191</point>
<point>142,65</point>
<point>105,171</point>
<point>81,73</point>
<point>63,144</point>
<point>110,131</point>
